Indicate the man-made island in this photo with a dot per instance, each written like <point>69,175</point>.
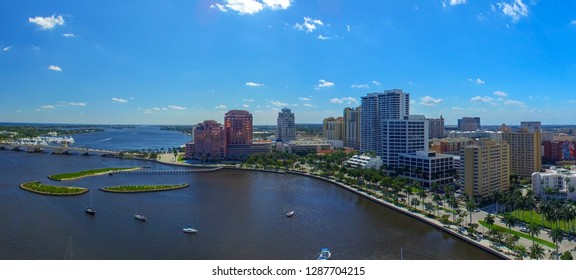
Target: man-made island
<point>40,188</point>
<point>143,188</point>
<point>92,172</point>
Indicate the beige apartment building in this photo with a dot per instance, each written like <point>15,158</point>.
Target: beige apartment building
<point>485,168</point>
<point>525,152</point>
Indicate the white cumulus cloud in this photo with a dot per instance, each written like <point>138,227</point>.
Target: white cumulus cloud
<point>175,107</point>
<point>376,83</point>
<point>68,35</point>
<point>251,6</point>
<point>457,2</point>
<point>359,86</point>
<point>514,103</point>
<point>304,99</point>
<point>278,103</point>
<point>81,104</point>
<point>248,100</point>
<point>348,100</point>
<point>119,100</point>
<point>484,99</point>
<point>50,107</point>
<point>55,68</point>
<point>47,22</point>
<point>308,25</point>
<point>253,84</point>
<point>324,83</point>
<point>515,10</point>
<point>573,22</point>
<point>221,106</point>
<point>430,101</point>
<point>500,93</point>
<point>5,49</point>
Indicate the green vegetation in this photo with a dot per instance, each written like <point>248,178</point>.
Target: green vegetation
<point>38,187</point>
<point>519,234</point>
<point>143,188</point>
<point>17,132</point>
<point>86,173</point>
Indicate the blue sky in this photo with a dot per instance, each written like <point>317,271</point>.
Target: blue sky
<point>182,62</point>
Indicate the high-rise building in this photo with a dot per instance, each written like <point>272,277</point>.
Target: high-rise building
<point>333,128</point>
<point>531,126</point>
<point>352,125</point>
<point>387,128</point>
<point>469,124</point>
<point>436,127</point>
<point>209,141</point>
<point>525,152</point>
<point>376,107</point>
<point>485,168</point>
<point>286,128</point>
<point>238,126</point>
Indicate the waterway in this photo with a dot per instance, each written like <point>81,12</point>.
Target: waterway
<point>238,214</point>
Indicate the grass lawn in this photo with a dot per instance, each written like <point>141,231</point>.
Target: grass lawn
<point>520,234</point>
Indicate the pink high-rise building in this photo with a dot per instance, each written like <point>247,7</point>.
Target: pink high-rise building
<point>209,141</point>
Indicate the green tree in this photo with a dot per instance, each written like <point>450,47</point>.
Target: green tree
<point>415,202</point>
<point>557,236</point>
<point>534,230</point>
<point>536,252</point>
<point>566,256</point>
<point>489,220</point>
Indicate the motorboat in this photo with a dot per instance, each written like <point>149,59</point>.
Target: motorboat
<point>189,229</point>
<point>324,254</point>
<point>140,217</point>
<point>290,214</point>
<point>90,210</point>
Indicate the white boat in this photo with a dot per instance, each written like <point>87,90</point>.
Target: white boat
<point>324,254</point>
<point>140,217</point>
<point>89,209</point>
<point>290,214</point>
<point>189,229</point>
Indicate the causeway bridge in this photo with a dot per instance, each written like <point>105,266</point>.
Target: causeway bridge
<point>57,149</point>
<point>145,171</point>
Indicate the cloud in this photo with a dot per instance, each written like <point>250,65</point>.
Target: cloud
<point>68,35</point>
<point>55,68</point>
<point>324,83</point>
<point>478,81</point>
<point>119,100</point>
<point>348,28</point>
<point>174,107</point>
<point>245,105</point>
<point>376,83</point>
<point>304,99</point>
<point>278,103</point>
<point>514,10</point>
<point>500,93</point>
<point>221,106</point>
<point>359,86</point>
<point>277,4</point>
<point>81,104</point>
<point>349,100</point>
<point>322,37</point>
<point>573,22</point>
<point>308,25</point>
<point>7,48</point>
<point>484,99</point>
<point>251,6</point>
<point>253,84</point>
<point>47,22</point>
<point>429,101</point>
<point>514,103</point>
<point>50,107</point>
<point>248,100</point>
<point>453,3</point>
<point>309,105</point>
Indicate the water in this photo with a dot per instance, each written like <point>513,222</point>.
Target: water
<point>238,214</point>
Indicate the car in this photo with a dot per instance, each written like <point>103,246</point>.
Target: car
<point>523,229</point>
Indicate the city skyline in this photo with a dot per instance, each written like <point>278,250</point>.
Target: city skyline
<point>185,62</point>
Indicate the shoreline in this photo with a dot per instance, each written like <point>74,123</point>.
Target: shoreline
<point>420,217</point>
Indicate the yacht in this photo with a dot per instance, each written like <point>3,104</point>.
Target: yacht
<point>189,229</point>
<point>290,214</point>
<point>324,254</point>
<point>140,217</point>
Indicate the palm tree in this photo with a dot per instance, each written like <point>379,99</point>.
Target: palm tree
<point>470,206</point>
<point>557,236</point>
<point>437,199</point>
<point>422,195</point>
<point>489,220</point>
<point>534,230</point>
<point>536,252</point>
<point>509,220</point>
<point>415,202</point>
